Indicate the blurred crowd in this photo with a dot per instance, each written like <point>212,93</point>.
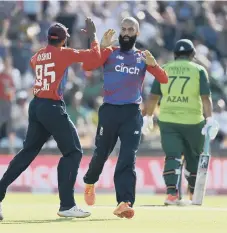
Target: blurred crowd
<point>23,28</point>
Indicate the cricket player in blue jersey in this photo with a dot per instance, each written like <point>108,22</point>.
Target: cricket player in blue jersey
<point>120,116</point>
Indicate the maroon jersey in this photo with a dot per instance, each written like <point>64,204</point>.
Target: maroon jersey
<point>51,68</point>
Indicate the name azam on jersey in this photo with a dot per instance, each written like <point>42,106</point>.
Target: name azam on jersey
<point>176,99</point>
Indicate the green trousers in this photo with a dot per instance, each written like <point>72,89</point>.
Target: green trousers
<point>180,140</point>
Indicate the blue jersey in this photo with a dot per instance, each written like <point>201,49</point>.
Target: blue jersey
<point>123,77</point>
<point>124,74</point>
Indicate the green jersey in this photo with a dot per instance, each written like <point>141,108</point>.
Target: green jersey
<point>181,96</point>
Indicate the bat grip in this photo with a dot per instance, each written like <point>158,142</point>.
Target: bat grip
<point>206,148</point>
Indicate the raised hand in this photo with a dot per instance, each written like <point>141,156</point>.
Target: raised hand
<point>90,28</point>
<point>107,39</point>
<point>148,58</point>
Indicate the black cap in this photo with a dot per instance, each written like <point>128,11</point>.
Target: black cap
<point>184,46</point>
<point>58,31</point>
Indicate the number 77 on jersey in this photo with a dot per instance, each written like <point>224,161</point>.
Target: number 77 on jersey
<point>182,81</point>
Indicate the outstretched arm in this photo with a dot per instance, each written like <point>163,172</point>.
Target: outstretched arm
<point>105,53</point>
<point>84,55</point>
<point>106,49</point>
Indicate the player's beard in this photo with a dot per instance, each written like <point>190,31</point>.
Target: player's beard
<point>126,45</point>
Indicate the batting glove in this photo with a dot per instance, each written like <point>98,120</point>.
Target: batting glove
<point>211,128</point>
<point>147,125</point>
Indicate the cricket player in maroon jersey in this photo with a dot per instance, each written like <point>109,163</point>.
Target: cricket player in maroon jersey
<point>48,116</point>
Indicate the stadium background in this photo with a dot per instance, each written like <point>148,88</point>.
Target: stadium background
<point>23,27</point>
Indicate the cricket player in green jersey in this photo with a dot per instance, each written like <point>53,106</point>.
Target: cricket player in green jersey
<point>185,100</point>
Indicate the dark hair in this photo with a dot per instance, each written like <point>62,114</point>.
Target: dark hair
<point>184,54</point>
<point>54,42</point>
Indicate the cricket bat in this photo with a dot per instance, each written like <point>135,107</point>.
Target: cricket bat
<point>202,173</point>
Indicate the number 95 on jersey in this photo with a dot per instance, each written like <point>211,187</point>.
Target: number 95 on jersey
<point>44,76</point>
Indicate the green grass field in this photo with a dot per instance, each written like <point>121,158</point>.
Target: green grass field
<point>37,213</point>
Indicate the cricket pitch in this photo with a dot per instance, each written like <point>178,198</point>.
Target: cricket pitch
<point>37,213</point>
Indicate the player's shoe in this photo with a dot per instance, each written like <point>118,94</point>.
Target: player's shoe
<point>89,194</point>
<point>124,210</point>
<point>175,201</point>
<point>74,212</point>
<point>1,214</point>
<point>172,200</point>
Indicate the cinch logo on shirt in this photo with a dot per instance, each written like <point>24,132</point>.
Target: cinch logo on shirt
<point>128,70</point>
